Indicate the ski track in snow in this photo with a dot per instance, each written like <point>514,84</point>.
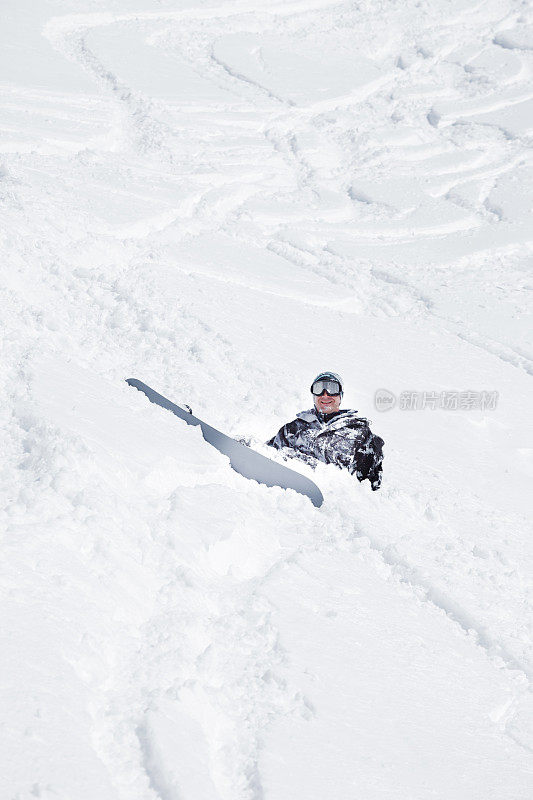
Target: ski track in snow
<point>377,203</point>
<point>69,35</point>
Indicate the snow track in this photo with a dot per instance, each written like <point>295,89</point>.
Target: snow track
<point>224,200</point>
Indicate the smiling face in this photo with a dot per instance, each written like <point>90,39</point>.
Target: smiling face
<point>326,403</point>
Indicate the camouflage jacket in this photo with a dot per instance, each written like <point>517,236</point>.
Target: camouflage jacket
<point>344,439</point>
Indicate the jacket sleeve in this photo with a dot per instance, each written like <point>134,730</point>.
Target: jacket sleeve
<point>280,439</point>
<point>368,460</point>
<point>375,471</point>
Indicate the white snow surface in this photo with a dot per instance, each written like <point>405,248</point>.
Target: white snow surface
<point>223,199</point>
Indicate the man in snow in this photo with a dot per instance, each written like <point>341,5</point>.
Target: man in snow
<point>333,435</point>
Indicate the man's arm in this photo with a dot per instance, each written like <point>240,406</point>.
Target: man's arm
<point>285,437</point>
<point>286,441</point>
<point>368,460</point>
<point>375,471</point>
<point>279,440</point>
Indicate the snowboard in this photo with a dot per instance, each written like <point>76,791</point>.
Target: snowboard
<point>243,459</point>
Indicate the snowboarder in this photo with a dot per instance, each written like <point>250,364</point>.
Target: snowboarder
<point>333,435</point>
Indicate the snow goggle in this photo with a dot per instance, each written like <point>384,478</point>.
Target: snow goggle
<point>329,387</point>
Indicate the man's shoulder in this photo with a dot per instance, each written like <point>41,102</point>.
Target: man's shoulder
<point>348,418</point>
<point>302,420</point>
<point>345,416</point>
<point>306,416</point>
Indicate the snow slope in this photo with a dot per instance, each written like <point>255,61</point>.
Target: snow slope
<point>223,199</point>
